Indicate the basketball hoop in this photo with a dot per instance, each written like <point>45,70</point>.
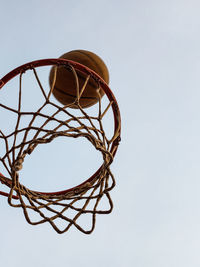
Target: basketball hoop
<point>51,206</point>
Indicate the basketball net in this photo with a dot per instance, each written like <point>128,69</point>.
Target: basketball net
<point>67,205</point>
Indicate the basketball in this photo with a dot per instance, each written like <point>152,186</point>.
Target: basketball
<point>65,85</point>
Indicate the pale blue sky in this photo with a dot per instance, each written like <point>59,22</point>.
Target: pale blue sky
<point>152,49</point>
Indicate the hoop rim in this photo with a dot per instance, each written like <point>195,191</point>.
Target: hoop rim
<point>115,108</point>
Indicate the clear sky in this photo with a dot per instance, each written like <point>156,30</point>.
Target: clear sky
<point>152,50</point>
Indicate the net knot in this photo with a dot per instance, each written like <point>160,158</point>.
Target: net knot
<point>18,165</point>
